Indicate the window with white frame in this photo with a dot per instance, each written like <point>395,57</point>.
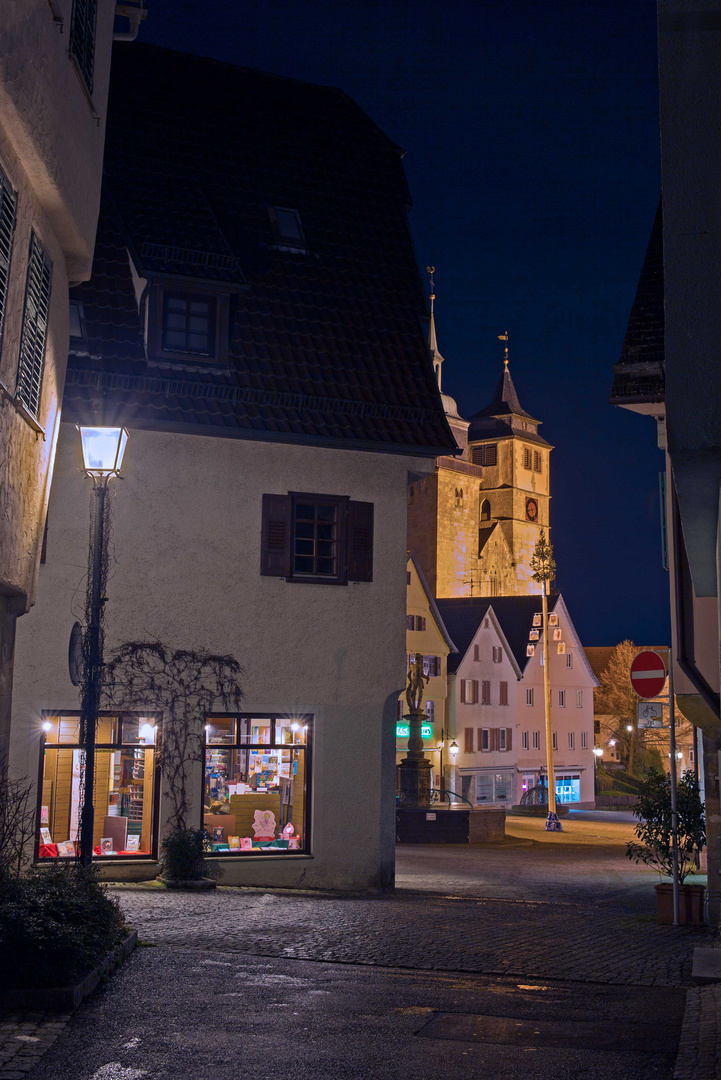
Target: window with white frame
<point>536,740</point>
<point>562,699</point>
<point>529,695</point>
<point>554,741</point>
<point>502,740</point>
<point>571,740</point>
<point>579,699</point>
<point>469,691</point>
<point>485,741</point>
<point>584,740</point>
<point>431,710</point>
<point>524,740</point>
<point>497,654</point>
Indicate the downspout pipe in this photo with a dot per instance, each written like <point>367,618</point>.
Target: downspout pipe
<point>134,15</point>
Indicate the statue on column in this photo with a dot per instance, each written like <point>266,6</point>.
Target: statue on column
<point>416,684</point>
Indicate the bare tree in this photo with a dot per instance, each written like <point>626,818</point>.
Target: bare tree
<point>183,686</point>
<point>17,821</point>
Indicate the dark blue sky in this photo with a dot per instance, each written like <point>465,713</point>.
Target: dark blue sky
<point>533,162</point>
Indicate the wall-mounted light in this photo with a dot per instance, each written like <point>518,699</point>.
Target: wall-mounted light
<point>147,733</point>
<point>598,751</point>
<point>47,726</point>
<point>453,749</point>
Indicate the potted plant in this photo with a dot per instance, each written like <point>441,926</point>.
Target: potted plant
<point>654,848</point>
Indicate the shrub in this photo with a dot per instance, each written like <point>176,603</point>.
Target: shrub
<point>56,924</point>
<point>653,810</point>
<point>181,857</point>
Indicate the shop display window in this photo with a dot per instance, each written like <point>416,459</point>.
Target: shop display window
<point>256,785</point>
<point>124,796</point>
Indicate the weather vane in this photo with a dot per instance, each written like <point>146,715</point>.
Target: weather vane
<point>504,337</point>
<point>431,270</point>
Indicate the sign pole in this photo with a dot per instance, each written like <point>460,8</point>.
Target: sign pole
<point>674,799</point>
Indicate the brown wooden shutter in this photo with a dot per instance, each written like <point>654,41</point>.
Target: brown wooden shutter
<point>360,541</point>
<point>491,455</point>
<point>486,695</point>
<point>463,691</point>
<point>503,691</point>
<point>509,738</point>
<point>275,536</point>
<point>468,740</point>
<point>475,691</point>
<point>494,739</point>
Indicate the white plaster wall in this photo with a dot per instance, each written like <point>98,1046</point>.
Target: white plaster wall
<point>53,126</point>
<point>185,570</point>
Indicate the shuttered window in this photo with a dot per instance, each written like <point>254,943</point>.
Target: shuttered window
<point>82,37</point>
<point>484,455</point>
<point>503,693</point>
<point>526,459</point>
<point>476,652</point>
<point>317,538</point>
<point>468,740</point>
<point>536,461</point>
<point>485,692</point>
<point>35,328</point>
<point>469,691</point>
<point>8,205</point>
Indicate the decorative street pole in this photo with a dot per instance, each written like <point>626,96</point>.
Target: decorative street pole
<point>543,568</point>
<point>103,450</point>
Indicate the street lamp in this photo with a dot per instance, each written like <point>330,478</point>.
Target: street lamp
<point>597,755</point>
<point>543,567</point>
<point>103,450</point>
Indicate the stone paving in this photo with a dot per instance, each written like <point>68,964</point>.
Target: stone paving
<point>24,1038</point>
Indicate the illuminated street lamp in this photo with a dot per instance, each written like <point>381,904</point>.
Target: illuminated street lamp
<point>597,755</point>
<point>543,567</point>
<point>103,450</point>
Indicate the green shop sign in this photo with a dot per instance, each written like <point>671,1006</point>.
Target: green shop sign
<point>403,731</point>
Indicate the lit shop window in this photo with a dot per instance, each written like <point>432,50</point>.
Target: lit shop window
<point>256,774</point>
<point>123,792</point>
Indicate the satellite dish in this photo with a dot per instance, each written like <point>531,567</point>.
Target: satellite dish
<point>75,654</point>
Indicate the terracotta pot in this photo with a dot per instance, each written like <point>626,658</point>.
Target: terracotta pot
<point>690,904</point>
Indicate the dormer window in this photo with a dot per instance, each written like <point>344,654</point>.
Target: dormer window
<point>287,229</point>
<point>188,324</point>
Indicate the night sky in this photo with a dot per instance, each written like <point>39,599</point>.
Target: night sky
<point>532,157</point>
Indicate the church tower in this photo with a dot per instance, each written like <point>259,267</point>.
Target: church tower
<point>473,524</point>
<point>515,492</point>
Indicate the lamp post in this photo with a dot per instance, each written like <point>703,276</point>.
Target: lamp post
<point>103,450</point>
<point>452,750</point>
<point>543,567</point>
<point>597,754</point>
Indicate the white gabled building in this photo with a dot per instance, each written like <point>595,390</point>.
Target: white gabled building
<point>496,702</point>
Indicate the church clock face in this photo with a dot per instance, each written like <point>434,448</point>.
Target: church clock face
<point>531,509</point>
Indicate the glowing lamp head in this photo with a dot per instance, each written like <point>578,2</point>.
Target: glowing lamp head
<point>611,742</point>
<point>295,726</point>
<point>598,751</point>
<point>47,726</point>
<point>453,748</point>
<point>629,727</point>
<point>103,449</point>
<point>147,733</point>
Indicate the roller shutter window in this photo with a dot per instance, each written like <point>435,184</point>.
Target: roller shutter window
<point>34,328</point>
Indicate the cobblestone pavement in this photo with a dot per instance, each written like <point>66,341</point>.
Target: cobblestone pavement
<point>24,1038</point>
<point>543,940</point>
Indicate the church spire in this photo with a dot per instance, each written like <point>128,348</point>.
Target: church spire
<point>504,337</point>
<point>436,357</point>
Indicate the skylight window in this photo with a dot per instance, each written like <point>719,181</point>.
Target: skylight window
<point>287,229</point>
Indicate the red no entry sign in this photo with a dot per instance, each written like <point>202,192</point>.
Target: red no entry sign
<point>648,674</point>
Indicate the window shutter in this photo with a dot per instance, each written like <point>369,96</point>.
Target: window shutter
<point>8,202</point>
<point>476,652</point>
<point>491,454</point>
<point>495,740</point>
<point>509,738</point>
<point>503,690</point>
<point>275,536</point>
<point>35,327</point>
<point>526,459</point>
<point>486,694</point>
<point>463,691</point>
<point>468,740</point>
<point>409,622</point>
<point>536,461</point>
<point>475,691</point>
<point>360,541</point>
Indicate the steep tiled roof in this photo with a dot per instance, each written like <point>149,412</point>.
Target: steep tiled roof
<point>639,374</point>
<point>504,416</point>
<point>327,341</point>
<point>514,613</point>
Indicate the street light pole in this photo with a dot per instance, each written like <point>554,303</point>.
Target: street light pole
<point>543,568</point>
<point>103,450</point>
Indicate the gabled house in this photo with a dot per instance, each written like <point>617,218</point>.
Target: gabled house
<point>256,321</point>
<point>496,700</point>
